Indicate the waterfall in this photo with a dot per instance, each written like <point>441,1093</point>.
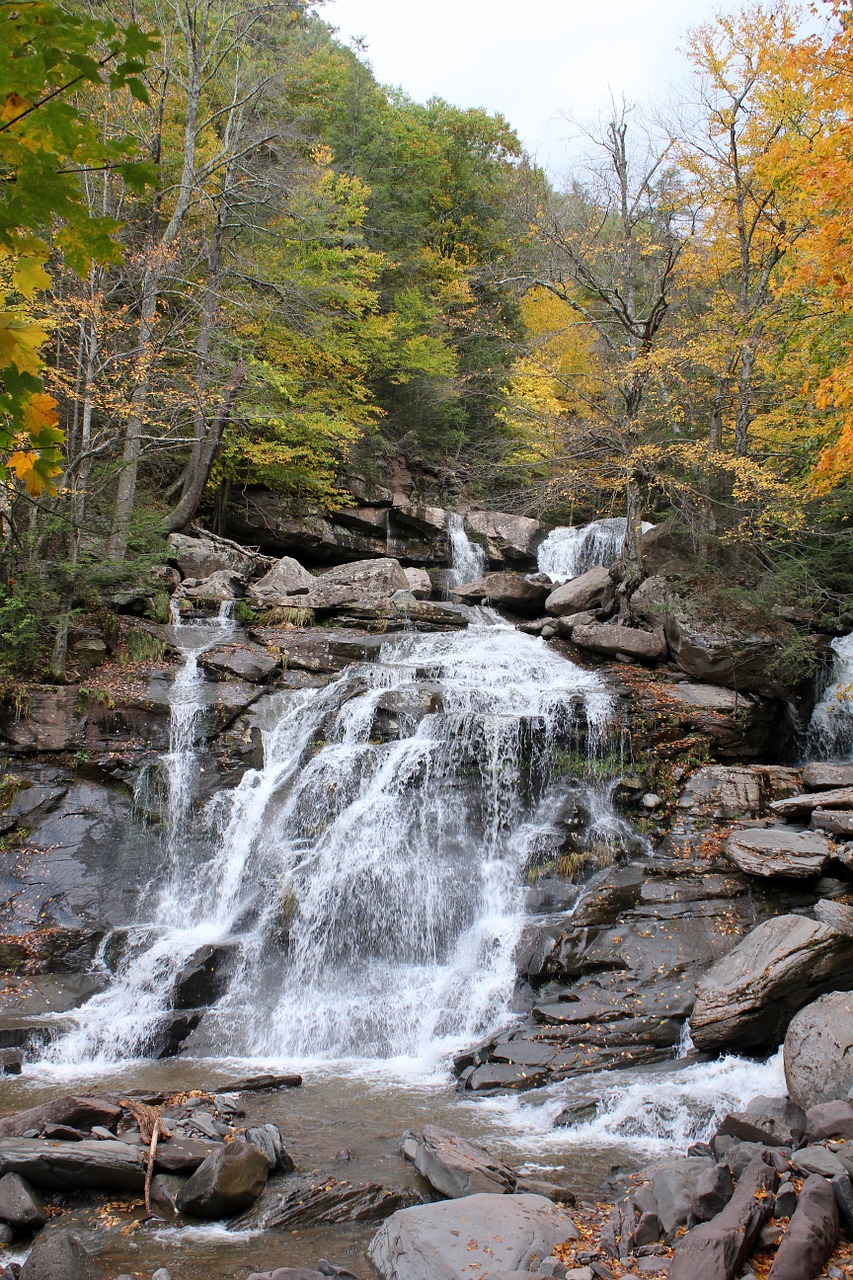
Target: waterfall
<point>568,552</point>
<point>369,876</point>
<point>830,734</point>
<point>467,559</point>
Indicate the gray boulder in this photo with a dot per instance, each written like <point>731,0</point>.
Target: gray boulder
<point>778,851</point>
<point>512,590</point>
<point>78,1112</point>
<point>748,997</point>
<point>838,822</point>
<point>627,642</point>
<point>226,1183</point>
<point>268,1139</point>
<point>363,583</point>
<point>72,1166</point>
<point>818,1051</point>
<point>455,1166</point>
<point>200,557</point>
<point>286,579</point>
<point>244,661</point>
<point>58,1255</point>
<point>508,539</point>
<point>21,1207</point>
<point>801,806</point>
<point>224,585</point>
<point>825,776</point>
<point>420,583</point>
<point>592,590</point>
<point>470,1239</point>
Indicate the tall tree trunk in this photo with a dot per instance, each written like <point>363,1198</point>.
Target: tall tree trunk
<point>186,509</point>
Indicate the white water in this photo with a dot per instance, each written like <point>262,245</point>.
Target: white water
<point>830,735</point>
<point>648,1111</point>
<point>570,551</point>
<point>373,885</point>
<point>467,559</point>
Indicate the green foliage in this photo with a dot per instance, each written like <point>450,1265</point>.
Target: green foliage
<point>47,56</point>
<point>24,628</point>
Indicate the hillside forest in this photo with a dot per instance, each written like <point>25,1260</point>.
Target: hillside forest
<point>230,258</point>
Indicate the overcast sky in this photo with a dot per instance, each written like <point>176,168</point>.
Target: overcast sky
<point>536,62</point>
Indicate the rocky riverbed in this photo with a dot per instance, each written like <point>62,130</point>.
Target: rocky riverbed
<point>662,889</point>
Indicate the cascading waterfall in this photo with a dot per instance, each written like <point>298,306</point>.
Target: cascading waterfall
<point>570,551</point>
<point>467,559</point>
<point>370,873</point>
<point>830,735</point>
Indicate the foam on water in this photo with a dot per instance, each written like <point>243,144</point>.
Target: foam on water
<point>647,1111</point>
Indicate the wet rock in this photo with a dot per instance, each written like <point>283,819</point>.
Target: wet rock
<point>811,1236</point>
<point>165,1189</point>
<point>239,661</point>
<point>716,1250</point>
<point>21,1207</point>
<point>52,722</point>
<point>818,1051</point>
<point>258,1084</point>
<point>285,580</point>
<point>461,1240</point>
<point>58,1255</point>
<point>204,977</point>
<point>72,1166</point>
<point>565,625</point>
<point>715,655</point>
<point>511,590</point>
<point>219,588</point>
<point>754,1128</point>
<point>592,590</point>
<point>200,557</point>
<point>801,806</point>
<point>787,1119</point>
<point>268,1138</point>
<point>749,996</point>
<point>676,1186</point>
<point>182,1155</point>
<point>630,642</point>
<point>843,1191</point>
<point>778,851</point>
<point>226,1183</point>
<point>11,1062</point>
<point>455,1166</point>
<point>507,538</point>
<point>78,1112</point>
<point>336,1202</point>
<point>172,1029</point>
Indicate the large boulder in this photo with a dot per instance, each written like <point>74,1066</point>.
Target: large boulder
<point>58,1255</point>
<point>507,538</point>
<point>802,806</point>
<point>98,1165</point>
<point>716,654</point>
<point>470,1239</point>
<point>226,1183</point>
<point>455,1166</point>
<point>242,661</point>
<point>778,851</point>
<point>512,590</point>
<point>592,590</point>
<point>286,579</point>
<point>222,586</point>
<point>824,775</point>
<point>200,557</point>
<point>615,640</point>
<point>818,1051</point>
<point>420,583</point>
<point>747,998</point>
<point>364,583</point>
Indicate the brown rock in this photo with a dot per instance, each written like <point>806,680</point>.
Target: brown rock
<point>778,851</point>
<point>648,646</point>
<point>592,590</point>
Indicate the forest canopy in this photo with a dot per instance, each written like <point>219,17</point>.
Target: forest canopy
<point>230,257</point>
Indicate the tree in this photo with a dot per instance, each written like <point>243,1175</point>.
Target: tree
<point>46,143</point>
<point>611,250</point>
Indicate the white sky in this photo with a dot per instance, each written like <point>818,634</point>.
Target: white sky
<point>536,62</point>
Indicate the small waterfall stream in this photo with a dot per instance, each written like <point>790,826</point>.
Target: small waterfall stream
<point>830,734</point>
<point>569,551</point>
<point>467,559</point>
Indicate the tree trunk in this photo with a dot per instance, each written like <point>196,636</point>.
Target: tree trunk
<point>186,509</point>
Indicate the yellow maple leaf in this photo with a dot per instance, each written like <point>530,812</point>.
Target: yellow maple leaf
<point>36,478</point>
<point>29,275</point>
<point>20,341</point>
<point>13,107</point>
<point>40,412</point>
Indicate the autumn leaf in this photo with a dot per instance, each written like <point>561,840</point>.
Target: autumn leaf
<point>20,341</point>
<point>40,412</point>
